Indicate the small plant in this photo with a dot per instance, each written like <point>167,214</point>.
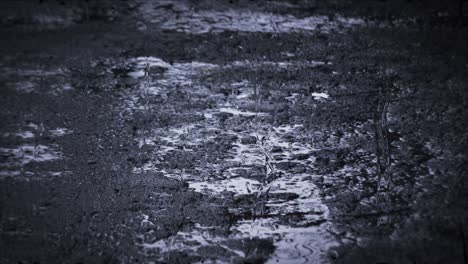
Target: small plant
<point>144,97</point>
<point>40,129</point>
<point>269,167</point>
<point>262,194</point>
<point>382,144</point>
<point>270,174</point>
<point>274,25</point>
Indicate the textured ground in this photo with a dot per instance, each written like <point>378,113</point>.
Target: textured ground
<point>243,132</point>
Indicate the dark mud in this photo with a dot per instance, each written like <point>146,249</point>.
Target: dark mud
<point>332,133</point>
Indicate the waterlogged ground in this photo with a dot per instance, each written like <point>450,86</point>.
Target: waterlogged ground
<point>234,148</point>
<point>292,132</point>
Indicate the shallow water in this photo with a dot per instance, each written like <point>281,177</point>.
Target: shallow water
<point>183,18</point>
<point>28,150</point>
<point>291,191</point>
<point>25,153</point>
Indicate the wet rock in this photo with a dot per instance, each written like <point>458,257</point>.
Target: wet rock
<point>284,196</point>
<point>291,166</point>
<point>301,156</point>
<point>333,254</point>
<point>286,165</point>
<point>92,162</point>
<point>288,138</point>
<point>307,178</point>
<point>262,248</point>
<point>245,199</point>
<point>182,257</point>
<point>238,129</point>
<point>291,219</point>
<point>121,72</point>
<point>276,149</point>
<point>225,138</point>
<point>251,172</point>
<point>224,116</point>
<point>280,157</point>
<point>322,161</point>
<point>249,140</point>
<point>313,222</point>
<point>240,172</point>
<point>215,252</point>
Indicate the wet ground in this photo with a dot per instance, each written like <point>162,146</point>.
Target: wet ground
<point>187,132</point>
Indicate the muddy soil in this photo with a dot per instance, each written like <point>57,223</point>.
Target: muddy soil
<point>241,132</point>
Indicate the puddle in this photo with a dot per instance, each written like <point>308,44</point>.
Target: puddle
<point>29,79</point>
<point>198,237</point>
<point>320,95</point>
<point>25,154</point>
<point>236,112</point>
<point>304,241</point>
<point>238,185</point>
<point>5,173</point>
<point>293,244</point>
<point>25,86</point>
<point>185,19</point>
<point>58,132</point>
<point>255,150</point>
<point>39,72</point>
<point>38,131</point>
<point>23,134</point>
<point>277,64</point>
<point>31,151</point>
<point>180,16</point>
<point>10,173</point>
<point>173,76</point>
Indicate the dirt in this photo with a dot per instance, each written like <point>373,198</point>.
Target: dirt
<point>241,132</point>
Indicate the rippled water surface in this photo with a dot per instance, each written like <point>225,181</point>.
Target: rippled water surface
<point>273,164</point>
